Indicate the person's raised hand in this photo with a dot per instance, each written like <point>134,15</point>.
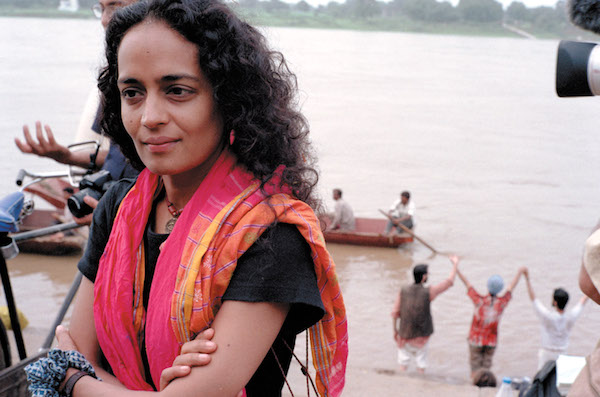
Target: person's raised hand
<point>43,145</point>
<point>454,259</point>
<point>523,270</point>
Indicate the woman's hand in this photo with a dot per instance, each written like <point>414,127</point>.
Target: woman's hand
<point>194,353</point>
<point>65,342</point>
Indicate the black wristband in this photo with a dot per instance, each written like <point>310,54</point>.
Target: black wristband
<point>68,389</point>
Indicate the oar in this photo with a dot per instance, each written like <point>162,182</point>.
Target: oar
<point>407,230</point>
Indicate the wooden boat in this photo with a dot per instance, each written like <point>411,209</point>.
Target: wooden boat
<point>61,243</point>
<point>55,192</point>
<point>13,382</point>
<point>368,232</point>
<point>13,379</point>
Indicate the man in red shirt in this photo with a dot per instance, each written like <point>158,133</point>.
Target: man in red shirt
<point>483,335</point>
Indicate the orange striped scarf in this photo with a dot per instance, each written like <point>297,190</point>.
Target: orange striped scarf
<point>222,220</point>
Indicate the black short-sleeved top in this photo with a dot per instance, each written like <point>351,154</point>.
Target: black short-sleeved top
<point>276,268</point>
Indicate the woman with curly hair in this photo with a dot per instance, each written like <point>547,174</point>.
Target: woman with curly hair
<point>216,233</point>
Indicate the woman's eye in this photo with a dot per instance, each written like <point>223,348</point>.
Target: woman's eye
<point>129,93</point>
<point>179,92</point>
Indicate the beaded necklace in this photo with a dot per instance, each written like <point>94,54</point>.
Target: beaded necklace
<point>174,214</point>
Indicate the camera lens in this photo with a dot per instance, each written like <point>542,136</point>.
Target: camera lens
<point>77,206</point>
<point>577,69</point>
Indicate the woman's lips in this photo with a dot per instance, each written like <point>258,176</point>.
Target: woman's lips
<point>160,144</point>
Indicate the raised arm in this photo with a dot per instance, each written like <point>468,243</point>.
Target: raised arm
<point>463,278</point>
<point>442,286</point>
<point>45,145</point>
<point>454,259</point>
<point>529,287</point>
<point>515,280</point>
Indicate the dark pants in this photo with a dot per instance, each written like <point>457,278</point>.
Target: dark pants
<point>481,357</point>
<point>407,223</point>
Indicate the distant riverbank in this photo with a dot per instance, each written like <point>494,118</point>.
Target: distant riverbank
<point>42,12</point>
<point>310,20</point>
<point>397,24</point>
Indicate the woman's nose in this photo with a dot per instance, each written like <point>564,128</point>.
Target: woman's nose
<point>154,113</point>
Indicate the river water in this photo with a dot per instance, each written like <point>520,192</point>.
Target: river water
<point>502,171</point>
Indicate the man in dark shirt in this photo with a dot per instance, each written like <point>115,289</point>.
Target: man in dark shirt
<point>413,309</point>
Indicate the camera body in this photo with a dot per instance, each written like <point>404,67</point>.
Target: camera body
<point>578,63</point>
<point>577,69</point>
<point>93,185</point>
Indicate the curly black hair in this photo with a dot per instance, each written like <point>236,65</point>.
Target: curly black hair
<point>253,88</point>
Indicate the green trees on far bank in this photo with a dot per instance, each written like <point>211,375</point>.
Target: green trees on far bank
<point>484,11</point>
<point>545,18</point>
<point>436,16</point>
<point>422,15</point>
<point>424,10</point>
<point>43,3</point>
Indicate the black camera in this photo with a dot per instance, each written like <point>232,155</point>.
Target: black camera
<point>577,69</point>
<point>94,185</point>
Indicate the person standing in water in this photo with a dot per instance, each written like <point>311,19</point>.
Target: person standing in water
<point>483,335</point>
<point>413,309</point>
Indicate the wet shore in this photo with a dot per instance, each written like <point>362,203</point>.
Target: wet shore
<point>362,382</point>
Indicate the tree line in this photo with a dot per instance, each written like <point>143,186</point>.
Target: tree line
<point>550,20</point>
<point>404,15</point>
<point>50,4</point>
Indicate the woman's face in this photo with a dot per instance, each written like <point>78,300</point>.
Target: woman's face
<point>167,103</point>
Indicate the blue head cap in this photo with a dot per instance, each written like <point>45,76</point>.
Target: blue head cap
<point>495,284</point>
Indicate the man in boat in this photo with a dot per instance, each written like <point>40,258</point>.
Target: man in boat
<point>413,309</point>
<point>43,143</point>
<point>556,323</point>
<point>343,217</point>
<point>401,212</point>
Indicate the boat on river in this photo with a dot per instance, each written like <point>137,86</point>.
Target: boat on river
<point>60,243</point>
<point>368,232</point>
<point>12,377</point>
<point>55,192</point>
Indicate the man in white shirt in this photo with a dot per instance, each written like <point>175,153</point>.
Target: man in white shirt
<point>343,217</point>
<point>402,212</point>
<point>556,323</point>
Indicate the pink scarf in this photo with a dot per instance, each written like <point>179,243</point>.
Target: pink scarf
<point>225,216</point>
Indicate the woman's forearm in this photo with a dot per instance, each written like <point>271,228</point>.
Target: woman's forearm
<point>90,387</point>
<point>244,333</point>
<point>82,330</point>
